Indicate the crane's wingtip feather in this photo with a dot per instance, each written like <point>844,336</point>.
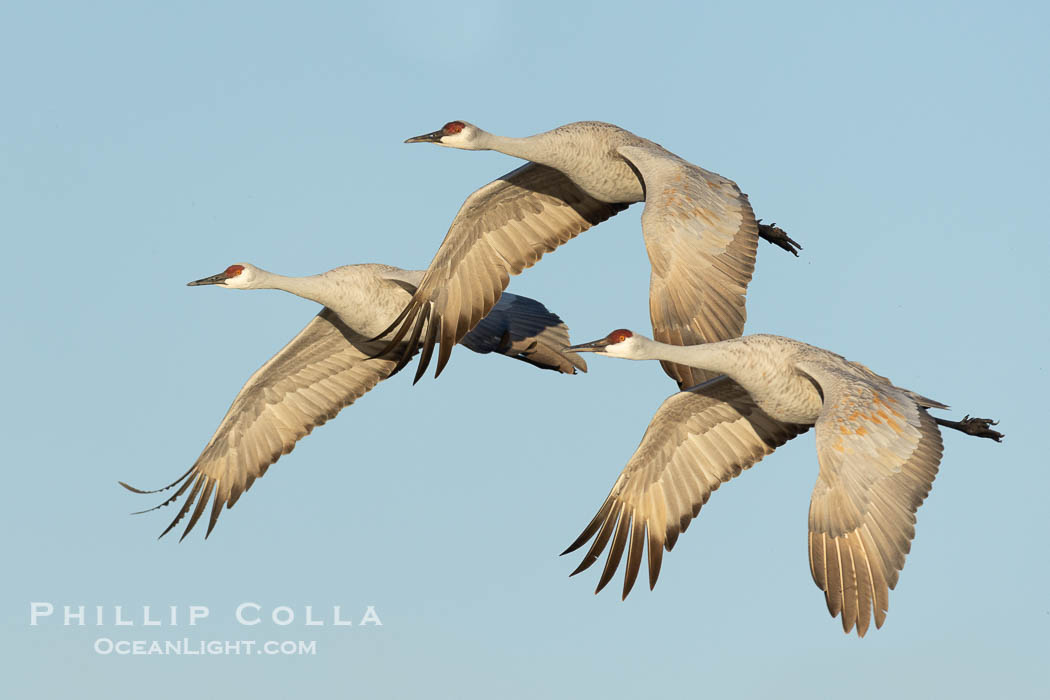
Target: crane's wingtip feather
<point>167,529</point>
<point>131,488</point>
<point>577,543</point>
<point>584,565</point>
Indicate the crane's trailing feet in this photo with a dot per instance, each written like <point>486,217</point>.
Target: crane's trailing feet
<point>778,237</point>
<point>979,427</point>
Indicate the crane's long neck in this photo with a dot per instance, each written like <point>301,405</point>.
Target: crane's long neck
<point>359,294</point>
<point>534,148</point>
<point>717,357</point>
<point>313,287</point>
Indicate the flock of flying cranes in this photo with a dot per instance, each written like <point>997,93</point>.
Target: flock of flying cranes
<point>740,398</point>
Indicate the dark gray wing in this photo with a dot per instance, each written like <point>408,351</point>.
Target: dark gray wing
<point>524,329</point>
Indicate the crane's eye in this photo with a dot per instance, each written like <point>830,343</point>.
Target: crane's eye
<point>233,270</point>
<point>452,128</point>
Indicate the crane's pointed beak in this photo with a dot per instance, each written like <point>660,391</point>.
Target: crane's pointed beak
<point>593,346</point>
<point>214,279</point>
<point>432,137</point>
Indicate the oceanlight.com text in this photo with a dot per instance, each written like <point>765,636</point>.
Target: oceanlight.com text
<point>105,646</point>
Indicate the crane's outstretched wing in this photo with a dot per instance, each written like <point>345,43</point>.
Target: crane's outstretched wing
<point>697,440</point>
<point>524,329</point>
<point>879,451</point>
<point>702,238</point>
<point>502,228</point>
<point>323,369</point>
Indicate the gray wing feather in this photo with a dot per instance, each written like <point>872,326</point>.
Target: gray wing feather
<point>501,229</point>
<point>325,368</point>
<point>702,238</point>
<point>524,329</point>
<point>879,451</point>
<point>697,440</point>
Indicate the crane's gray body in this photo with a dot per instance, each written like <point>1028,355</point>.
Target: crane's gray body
<point>588,153</point>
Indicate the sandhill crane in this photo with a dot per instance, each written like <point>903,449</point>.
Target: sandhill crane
<point>330,364</point>
<point>877,446</point>
<point>699,230</point>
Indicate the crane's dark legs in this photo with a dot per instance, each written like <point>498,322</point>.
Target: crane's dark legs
<point>980,427</point>
<point>777,236</point>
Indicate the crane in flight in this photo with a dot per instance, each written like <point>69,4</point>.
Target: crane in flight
<point>877,446</point>
<point>329,365</point>
<point>700,233</point>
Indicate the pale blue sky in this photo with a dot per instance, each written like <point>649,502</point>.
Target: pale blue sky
<point>145,145</point>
